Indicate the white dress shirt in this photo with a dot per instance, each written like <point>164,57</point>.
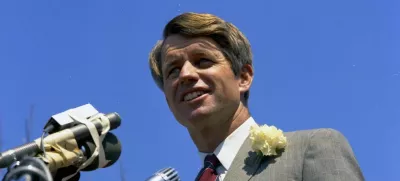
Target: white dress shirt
<point>227,150</point>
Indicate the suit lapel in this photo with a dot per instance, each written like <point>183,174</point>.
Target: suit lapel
<point>245,163</point>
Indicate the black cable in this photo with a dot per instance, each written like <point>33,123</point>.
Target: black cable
<point>25,169</point>
<point>30,167</point>
<point>45,169</point>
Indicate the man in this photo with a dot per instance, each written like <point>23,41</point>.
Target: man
<point>203,65</point>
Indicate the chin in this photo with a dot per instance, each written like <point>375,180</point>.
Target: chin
<point>200,115</point>
<point>194,117</point>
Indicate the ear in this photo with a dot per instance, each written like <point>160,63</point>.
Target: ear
<point>245,78</point>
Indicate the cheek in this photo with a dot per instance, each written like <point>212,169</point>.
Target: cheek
<point>229,88</point>
<point>170,103</point>
<point>169,94</point>
<point>226,80</point>
<point>169,97</point>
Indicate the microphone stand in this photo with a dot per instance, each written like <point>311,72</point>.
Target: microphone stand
<point>28,169</point>
<point>82,123</point>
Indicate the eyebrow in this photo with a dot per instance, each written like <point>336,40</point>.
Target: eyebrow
<point>169,60</point>
<point>201,52</point>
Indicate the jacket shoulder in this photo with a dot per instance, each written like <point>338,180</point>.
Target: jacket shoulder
<point>327,154</point>
<point>311,133</point>
<point>303,139</point>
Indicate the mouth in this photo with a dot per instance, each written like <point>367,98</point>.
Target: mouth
<point>193,95</point>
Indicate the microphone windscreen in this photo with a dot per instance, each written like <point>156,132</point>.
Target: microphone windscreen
<point>112,150</point>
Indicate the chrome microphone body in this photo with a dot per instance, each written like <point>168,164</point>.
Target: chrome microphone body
<point>165,174</point>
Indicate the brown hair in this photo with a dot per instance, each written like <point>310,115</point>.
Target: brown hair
<point>234,45</point>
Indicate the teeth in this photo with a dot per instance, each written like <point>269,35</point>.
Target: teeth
<point>192,95</point>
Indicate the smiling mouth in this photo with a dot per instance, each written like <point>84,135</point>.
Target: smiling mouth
<point>193,95</point>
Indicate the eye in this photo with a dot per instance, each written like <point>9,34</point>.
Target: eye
<point>204,63</point>
<point>173,72</point>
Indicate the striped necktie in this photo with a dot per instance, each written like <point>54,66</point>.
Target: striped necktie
<point>208,172</point>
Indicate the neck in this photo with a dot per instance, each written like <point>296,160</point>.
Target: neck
<point>208,138</point>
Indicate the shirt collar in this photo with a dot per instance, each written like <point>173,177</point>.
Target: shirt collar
<point>227,150</point>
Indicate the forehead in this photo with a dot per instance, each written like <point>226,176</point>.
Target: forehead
<point>176,45</point>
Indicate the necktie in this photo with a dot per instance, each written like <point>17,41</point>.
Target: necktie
<point>208,172</point>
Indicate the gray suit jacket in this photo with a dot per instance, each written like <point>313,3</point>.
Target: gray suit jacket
<point>311,155</point>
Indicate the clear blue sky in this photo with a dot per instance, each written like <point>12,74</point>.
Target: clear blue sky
<point>317,64</point>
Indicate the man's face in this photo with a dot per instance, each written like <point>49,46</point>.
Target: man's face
<point>199,84</point>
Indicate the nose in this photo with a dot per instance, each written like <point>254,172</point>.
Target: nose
<point>188,73</point>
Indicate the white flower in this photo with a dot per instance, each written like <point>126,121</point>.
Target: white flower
<point>267,139</point>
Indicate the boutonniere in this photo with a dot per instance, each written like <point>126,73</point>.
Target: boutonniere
<point>267,140</point>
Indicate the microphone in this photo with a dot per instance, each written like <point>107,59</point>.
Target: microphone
<point>112,150</point>
<point>165,174</point>
<point>79,132</point>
